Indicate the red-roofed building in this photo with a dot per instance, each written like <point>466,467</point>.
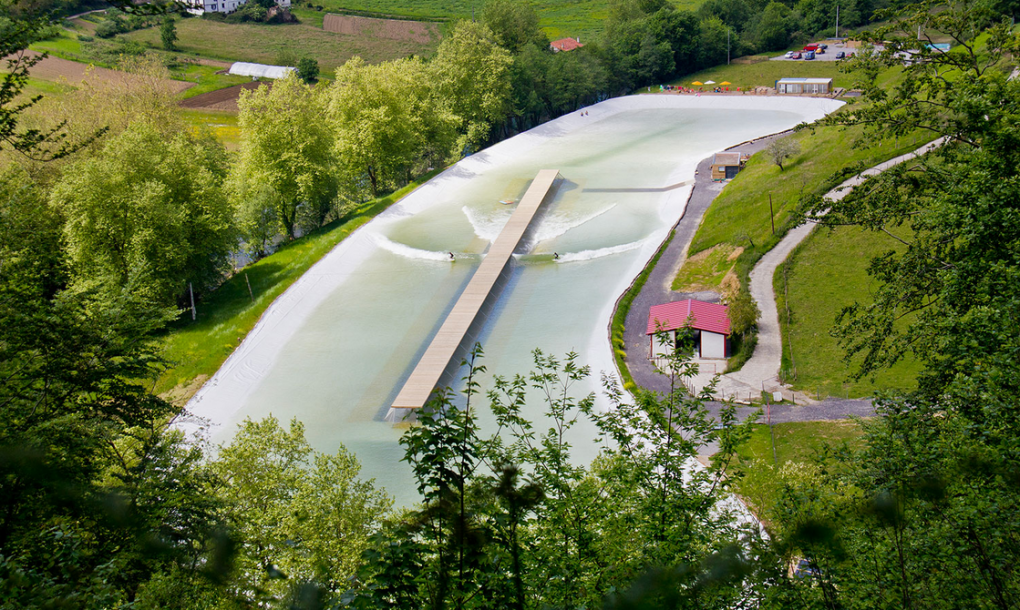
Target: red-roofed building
<point>709,323</point>
<point>565,44</point>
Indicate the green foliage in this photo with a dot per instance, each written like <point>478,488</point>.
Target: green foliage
<point>389,123</point>
<point>168,34</point>
<point>196,349</point>
<point>514,25</point>
<point>469,72</point>
<point>816,282</point>
<point>146,215</point>
<point>563,534</point>
<point>308,70</point>
<point>299,516</point>
<point>284,162</point>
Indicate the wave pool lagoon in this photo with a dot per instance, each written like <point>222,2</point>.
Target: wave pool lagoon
<point>336,348</point>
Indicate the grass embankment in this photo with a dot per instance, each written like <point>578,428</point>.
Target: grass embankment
<point>264,43</point>
<point>740,216</point>
<point>797,445</point>
<point>620,316</point>
<point>195,350</point>
<point>766,73</point>
<point>826,273</point>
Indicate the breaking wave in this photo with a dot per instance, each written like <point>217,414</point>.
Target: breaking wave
<point>407,251</point>
<point>488,224</point>
<point>587,255</point>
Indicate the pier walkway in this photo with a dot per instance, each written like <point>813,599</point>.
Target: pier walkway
<point>427,374</point>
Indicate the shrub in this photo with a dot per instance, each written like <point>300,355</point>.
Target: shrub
<point>84,38</point>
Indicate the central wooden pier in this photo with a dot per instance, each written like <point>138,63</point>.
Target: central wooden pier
<point>437,358</point>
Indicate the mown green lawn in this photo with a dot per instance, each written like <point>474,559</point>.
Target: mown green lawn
<point>766,73</point>
<point>740,214</point>
<point>797,445</point>
<point>826,273</point>
<point>195,350</point>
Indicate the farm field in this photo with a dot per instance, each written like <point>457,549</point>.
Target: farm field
<point>60,71</point>
<point>222,100</point>
<point>821,280</point>
<point>266,43</point>
<point>557,18</point>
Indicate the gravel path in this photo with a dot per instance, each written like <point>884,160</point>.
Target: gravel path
<point>658,288</point>
<point>762,369</point>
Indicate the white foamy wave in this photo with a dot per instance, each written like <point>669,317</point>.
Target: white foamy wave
<point>407,251</point>
<point>557,224</point>
<point>487,224</point>
<point>587,255</point>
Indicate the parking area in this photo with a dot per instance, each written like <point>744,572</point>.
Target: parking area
<point>830,54</point>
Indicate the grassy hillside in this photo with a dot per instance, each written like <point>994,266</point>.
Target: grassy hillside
<point>558,18</point>
<point>766,73</point>
<point>797,446</point>
<point>265,43</point>
<point>826,273</point>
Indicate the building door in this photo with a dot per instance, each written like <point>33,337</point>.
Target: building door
<point>731,171</point>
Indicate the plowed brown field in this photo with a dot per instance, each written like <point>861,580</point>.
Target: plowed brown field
<point>54,69</point>
<point>221,99</point>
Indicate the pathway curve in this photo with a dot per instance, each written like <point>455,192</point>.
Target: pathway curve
<point>762,369</point>
<point>658,288</point>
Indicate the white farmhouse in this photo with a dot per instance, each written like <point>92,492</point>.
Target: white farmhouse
<point>198,7</point>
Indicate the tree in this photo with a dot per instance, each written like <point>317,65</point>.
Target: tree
<point>16,33</point>
<point>308,70</point>
<point>168,33</point>
<point>512,521</point>
<point>772,29</point>
<point>469,73</point>
<point>781,149</point>
<point>286,156</point>
<point>514,25</point>
<point>386,120</point>
<point>915,517</point>
<point>146,215</point>
<point>300,516</point>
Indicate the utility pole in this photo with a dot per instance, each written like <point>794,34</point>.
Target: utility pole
<point>727,46</point>
<point>772,215</point>
<point>191,290</point>
<point>837,21</point>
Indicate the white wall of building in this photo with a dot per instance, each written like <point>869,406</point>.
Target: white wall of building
<point>197,7</point>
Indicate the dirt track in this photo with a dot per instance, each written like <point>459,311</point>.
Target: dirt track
<point>55,69</point>
<point>391,29</point>
<point>221,99</point>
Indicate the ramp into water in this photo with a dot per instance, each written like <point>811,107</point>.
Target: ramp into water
<point>426,375</point>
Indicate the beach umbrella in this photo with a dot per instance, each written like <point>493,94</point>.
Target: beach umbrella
<point>697,83</point>
<point>726,82</point>
<point>710,82</point>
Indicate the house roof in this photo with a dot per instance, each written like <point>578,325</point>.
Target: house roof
<point>711,317</point>
<point>565,44</point>
<point>726,159</point>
